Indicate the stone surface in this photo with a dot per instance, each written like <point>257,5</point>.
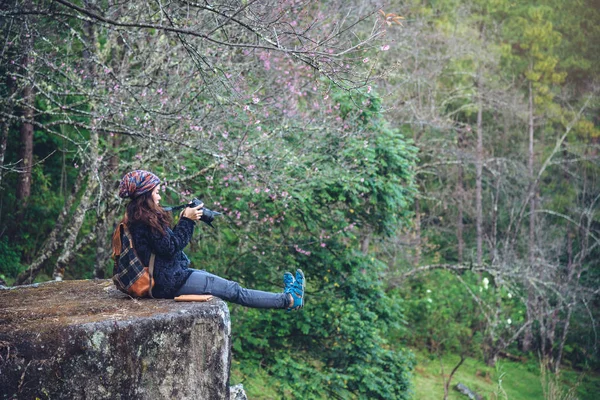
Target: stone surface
<point>467,392</point>
<point>237,392</point>
<point>86,340</point>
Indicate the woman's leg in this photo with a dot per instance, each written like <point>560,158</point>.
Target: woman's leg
<point>202,282</point>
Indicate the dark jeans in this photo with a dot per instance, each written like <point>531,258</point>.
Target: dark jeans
<point>202,282</point>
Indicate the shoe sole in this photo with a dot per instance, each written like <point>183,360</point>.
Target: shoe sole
<point>303,288</point>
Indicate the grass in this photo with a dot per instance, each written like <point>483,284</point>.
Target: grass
<point>508,380</point>
<point>258,386</point>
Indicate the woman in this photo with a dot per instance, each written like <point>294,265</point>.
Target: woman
<point>150,229</point>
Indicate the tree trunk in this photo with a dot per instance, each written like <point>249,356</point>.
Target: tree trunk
<point>79,215</point>
<point>531,182</point>
<point>528,335</point>
<point>53,240</point>
<point>460,198</point>
<point>449,380</point>
<point>494,239</point>
<point>364,243</point>
<point>26,151</point>
<point>4,124</point>
<point>23,190</point>
<point>478,182</point>
<point>417,254</point>
<point>491,357</point>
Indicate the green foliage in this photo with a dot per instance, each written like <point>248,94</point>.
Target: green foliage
<point>445,317</point>
<point>442,315</point>
<point>337,344</point>
<point>10,260</point>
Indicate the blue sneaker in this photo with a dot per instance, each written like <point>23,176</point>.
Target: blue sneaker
<point>288,281</point>
<point>296,290</point>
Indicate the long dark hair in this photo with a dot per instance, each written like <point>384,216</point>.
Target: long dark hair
<point>143,210</point>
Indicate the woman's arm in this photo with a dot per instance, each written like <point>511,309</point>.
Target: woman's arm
<point>174,241</point>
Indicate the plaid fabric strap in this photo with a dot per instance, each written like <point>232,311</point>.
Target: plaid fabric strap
<point>128,267</point>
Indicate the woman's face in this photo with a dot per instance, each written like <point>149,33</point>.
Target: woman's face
<point>156,194</point>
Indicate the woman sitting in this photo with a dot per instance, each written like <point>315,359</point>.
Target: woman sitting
<point>151,232</point>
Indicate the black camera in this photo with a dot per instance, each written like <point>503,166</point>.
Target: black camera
<point>207,215</point>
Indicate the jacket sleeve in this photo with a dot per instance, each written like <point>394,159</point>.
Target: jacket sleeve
<point>173,241</point>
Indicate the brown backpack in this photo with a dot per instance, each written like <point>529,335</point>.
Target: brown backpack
<point>130,275</point>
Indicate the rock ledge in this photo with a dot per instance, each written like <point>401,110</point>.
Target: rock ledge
<point>86,340</point>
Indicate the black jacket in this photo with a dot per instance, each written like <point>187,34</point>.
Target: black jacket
<point>171,264</point>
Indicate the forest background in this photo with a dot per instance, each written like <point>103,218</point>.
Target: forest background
<point>432,166</point>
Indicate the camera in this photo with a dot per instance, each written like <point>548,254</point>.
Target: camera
<point>207,215</point>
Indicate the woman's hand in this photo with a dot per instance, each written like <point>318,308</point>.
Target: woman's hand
<point>194,213</point>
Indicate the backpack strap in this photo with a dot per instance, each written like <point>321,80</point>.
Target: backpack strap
<point>151,271</point>
<point>116,241</point>
<point>123,228</point>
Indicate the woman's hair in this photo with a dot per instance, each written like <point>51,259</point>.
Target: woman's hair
<point>143,210</point>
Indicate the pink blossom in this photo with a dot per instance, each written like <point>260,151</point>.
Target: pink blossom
<point>385,47</point>
<point>323,245</point>
<point>366,59</point>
